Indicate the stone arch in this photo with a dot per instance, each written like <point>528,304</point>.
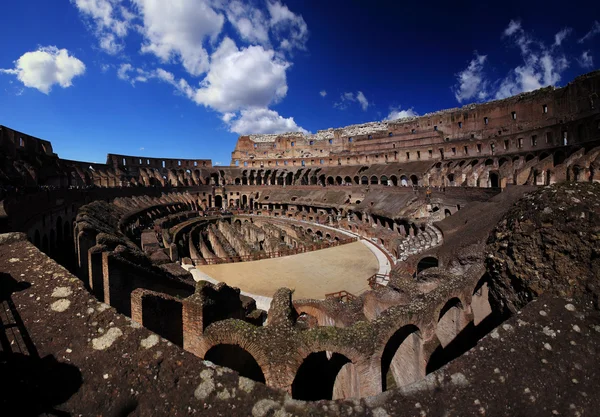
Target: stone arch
<point>480,304</point>
<point>364,180</point>
<point>451,321</point>
<point>404,181</point>
<point>237,358</point>
<point>348,180</point>
<point>330,181</point>
<point>320,374</point>
<point>384,180</point>
<point>402,361</point>
<point>447,213</point>
<point>338,180</point>
<point>414,180</point>
<point>374,180</point>
<point>394,180</point>
<point>218,201</point>
<point>427,262</point>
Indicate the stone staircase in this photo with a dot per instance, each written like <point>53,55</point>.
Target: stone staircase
<point>424,240</point>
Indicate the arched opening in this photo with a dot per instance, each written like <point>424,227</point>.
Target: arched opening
<point>480,304</point>
<point>374,180</point>
<point>330,181</point>
<point>348,180</point>
<point>447,213</point>
<point>364,180</point>
<point>427,262</point>
<point>394,180</point>
<point>494,180</point>
<point>236,358</point>
<point>451,321</point>
<point>384,180</point>
<point>338,180</point>
<point>244,201</point>
<point>402,361</point>
<point>238,181</point>
<point>414,180</point>
<point>529,158</point>
<point>318,374</point>
<point>404,181</point>
<point>502,162</point>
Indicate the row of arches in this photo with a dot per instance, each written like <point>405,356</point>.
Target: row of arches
<point>331,374</point>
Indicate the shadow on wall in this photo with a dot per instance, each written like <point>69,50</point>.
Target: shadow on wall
<point>29,385</point>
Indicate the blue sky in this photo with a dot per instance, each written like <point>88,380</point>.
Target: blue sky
<point>184,78</point>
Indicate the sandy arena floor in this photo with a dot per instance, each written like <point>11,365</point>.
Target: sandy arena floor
<point>311,275</point>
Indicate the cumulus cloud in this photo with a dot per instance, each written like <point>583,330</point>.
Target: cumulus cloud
<point>239,82</point>
<point>586,60</point>
<point>108,20</point>
<point>471,83</point>
<point>323,93</point>
<point>541,67</point>
<point>289,28</point>
<point>178,30</point>
<point>349,97</point>
<point>242,78</point>
<point>593,32</point>
<point>396,113</point>
<point>250,22</point>
<point>561,36</point>
<point>45,67</point>
<point>362,100</point>
<point>261,121</point>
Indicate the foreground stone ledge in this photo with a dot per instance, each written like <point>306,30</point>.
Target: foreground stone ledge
<point>542,361</point>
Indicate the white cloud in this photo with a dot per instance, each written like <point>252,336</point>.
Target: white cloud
<point>261,121</point>
<point>250,22</point>
<point>122,72</point>
<point>541,67</point>
<point>586,60</point>
<point>396,113</point>
<point>289,28</point>
<point>513,27</point>
<point>242,78</point>
<point>178,29</point>
<point>46,67</point>
<point>348,97</point>
<point>323,93</point>
<point>110,23</point>
<point>364,103</point>
<point>471,83</point>
<point>593,32</point>
<point>560,36</point>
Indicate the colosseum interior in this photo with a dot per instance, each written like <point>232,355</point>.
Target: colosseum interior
<point>446,264</point>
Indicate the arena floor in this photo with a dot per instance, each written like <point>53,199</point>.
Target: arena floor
<point>311,275</point>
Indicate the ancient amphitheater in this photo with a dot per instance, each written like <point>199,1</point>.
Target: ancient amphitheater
<point>444,265</point>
